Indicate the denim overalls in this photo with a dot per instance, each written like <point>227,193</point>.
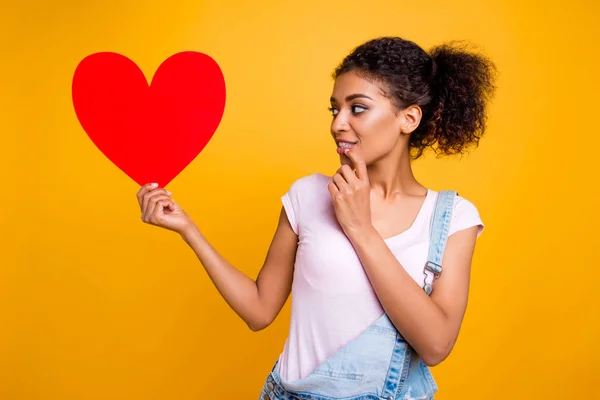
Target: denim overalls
<point>378,364</point>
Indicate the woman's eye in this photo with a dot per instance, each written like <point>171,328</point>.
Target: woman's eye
<point>357,109</point>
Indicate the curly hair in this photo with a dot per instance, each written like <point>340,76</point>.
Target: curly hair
<point>450,84</point>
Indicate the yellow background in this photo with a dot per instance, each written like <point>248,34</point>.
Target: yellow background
<point>94,304</point>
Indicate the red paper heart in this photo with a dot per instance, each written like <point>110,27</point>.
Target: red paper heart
<point>150,132</point>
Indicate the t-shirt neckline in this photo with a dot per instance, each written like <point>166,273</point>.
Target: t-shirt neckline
<point>417,220</point>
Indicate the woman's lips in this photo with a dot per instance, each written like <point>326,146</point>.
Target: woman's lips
<point>342,147</point>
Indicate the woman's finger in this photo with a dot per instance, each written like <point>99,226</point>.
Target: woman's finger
<point>359,164</point>
<point>154,205</point>
<point>333,190</point>
<point>340,182</point>
<point>149,195</point>
<point>348,174</point>
<point>143,190</point>
<point>158,209</point>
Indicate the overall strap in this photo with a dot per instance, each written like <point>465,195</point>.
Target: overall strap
<point>438,236</point>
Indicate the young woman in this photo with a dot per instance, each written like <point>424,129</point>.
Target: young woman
<point>352,248</point>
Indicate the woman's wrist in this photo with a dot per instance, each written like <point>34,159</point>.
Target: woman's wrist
<point>362,236</point>
<point>189,231</point>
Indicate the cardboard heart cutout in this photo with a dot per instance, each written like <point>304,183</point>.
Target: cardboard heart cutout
<point>150,132</point>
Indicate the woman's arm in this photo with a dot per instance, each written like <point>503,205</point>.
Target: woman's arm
<point>256,302</point>
<point>429,323</point>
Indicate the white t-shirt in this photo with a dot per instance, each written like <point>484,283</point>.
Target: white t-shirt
<point>332,298</point>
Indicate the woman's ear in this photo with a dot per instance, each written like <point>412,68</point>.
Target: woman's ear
<point>411,117</point>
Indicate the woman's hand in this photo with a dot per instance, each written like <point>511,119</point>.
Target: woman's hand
<point>159,209</point>
<point>351,196</point>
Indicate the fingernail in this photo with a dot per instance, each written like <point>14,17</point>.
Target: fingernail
<point>154,184</point>
<point>169,193</point>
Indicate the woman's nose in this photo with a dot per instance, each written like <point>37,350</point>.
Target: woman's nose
<point>340,124</point>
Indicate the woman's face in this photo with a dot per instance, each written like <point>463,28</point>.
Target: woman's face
<point>366,120</point>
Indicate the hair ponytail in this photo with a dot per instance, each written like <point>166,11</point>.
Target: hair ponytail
<point>462,84</point>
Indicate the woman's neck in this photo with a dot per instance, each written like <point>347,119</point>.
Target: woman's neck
<point>393,176</point>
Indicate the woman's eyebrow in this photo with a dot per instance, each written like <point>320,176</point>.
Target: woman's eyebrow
<point>352,97</point>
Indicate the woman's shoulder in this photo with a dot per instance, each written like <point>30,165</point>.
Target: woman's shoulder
<point>311,182</point>
<point>304,198</point>
<point>465,214</point>
<point>464,205</point>
<point>460,202</point>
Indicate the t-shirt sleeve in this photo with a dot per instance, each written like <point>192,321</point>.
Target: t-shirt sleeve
<point>465,215</point>
<point>291,204</point>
